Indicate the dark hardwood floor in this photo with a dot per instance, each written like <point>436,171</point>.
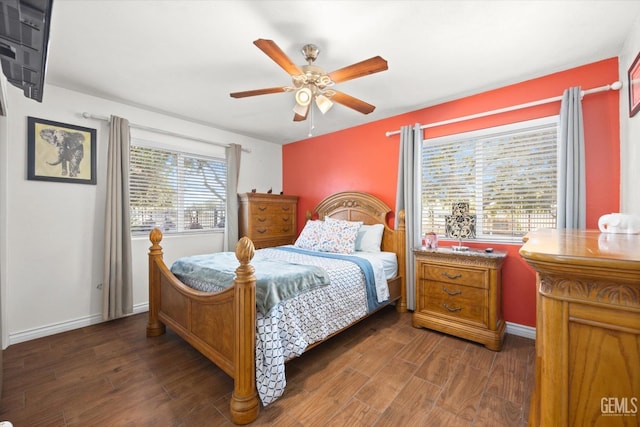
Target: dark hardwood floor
<point>381,372</point>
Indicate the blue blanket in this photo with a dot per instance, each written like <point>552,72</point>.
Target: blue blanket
<point>275,280</point>
<point>365,266</point>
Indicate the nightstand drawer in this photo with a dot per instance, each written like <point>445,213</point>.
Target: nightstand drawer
<point>455,275</point>
<point>461,302</point>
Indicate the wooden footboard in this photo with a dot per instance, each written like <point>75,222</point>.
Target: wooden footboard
<point>220,325</point>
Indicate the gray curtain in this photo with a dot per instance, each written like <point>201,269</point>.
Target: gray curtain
<point>407,198</point>
<point>117,288</point>
<point>571,166</point>
<point>233,153</point>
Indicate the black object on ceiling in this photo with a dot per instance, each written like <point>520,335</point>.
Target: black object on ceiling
<point>24,40</point>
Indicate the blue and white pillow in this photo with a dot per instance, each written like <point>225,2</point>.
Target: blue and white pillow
<point>339,236</point>
<point>311,236</point>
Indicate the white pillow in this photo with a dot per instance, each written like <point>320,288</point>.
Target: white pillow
<point>310,236</point>
<point>369,238</point>
<point>339,236</point>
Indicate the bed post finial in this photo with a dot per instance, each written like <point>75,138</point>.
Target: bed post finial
<point>244,405</point>
<point>155,236</point>
<point>245,250</point>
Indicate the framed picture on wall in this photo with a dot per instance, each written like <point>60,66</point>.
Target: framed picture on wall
<point>60,152</point>
<point>634,87</point>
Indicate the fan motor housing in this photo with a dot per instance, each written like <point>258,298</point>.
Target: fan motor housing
<point>310,52</point>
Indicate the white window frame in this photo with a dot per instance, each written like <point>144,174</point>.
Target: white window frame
<point>476,204</point>
<point>181,222</point>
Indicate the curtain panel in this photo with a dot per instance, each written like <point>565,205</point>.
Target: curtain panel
<point>408,199</point>
<point>117,281</point>
<point>233,154</point>
<point>572,197</point>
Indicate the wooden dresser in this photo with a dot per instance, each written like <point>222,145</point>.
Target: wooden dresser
<point>459,293</point>
<point>268,219</point>
<point>587,328</point>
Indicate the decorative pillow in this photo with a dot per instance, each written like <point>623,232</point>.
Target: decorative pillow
<point>369,238</point>
<point>339,236</point>
<point>311,236</point>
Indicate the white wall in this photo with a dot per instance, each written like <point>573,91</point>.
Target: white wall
<point>629,130</point>
<point>53,260</point>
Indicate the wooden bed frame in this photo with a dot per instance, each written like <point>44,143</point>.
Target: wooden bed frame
<point>222,325</point>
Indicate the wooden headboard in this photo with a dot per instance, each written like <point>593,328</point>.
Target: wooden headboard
<point>359,206</point>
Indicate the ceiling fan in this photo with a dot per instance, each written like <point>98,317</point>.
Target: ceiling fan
<point>311,83</point>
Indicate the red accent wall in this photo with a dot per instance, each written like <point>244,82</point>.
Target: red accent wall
<point>362,158</point>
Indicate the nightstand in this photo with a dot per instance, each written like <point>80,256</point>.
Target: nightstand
<point>459,293</point>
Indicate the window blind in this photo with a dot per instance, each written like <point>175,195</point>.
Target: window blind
<point>175,191</point>
<point>507,175</point>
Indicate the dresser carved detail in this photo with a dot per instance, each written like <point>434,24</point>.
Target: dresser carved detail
<point>605,292</point>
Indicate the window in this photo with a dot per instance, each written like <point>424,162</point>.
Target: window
<point>175,191</point>
<point>507,176</point>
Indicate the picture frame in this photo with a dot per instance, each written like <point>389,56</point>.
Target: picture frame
<point>634,86</point>
<point>60,152</point>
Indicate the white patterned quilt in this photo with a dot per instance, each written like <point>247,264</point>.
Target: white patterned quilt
<point>293,324</point>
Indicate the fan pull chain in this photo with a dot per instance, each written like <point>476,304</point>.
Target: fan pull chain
<point>311,123</point>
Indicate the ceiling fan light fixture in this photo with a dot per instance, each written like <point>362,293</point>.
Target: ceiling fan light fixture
<point>303,96</point>
<point>300,110</point>
<point>323,103</point>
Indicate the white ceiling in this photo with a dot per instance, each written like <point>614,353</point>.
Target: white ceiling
<point>184,57</point>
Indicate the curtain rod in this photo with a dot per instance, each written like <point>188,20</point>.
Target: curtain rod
<point>613,86</point>
<point>164,132</point>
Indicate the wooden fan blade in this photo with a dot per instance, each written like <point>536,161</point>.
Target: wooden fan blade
<point>353,103</point>
<point>361,69</point>
<point>299,118</point>
<point>255,92</point>
<point>278,56</point>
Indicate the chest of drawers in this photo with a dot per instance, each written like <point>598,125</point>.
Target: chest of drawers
<point>267,219</point>
<point>459,293</point>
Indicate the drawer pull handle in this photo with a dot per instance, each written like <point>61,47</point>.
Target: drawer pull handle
<point>261,230</point>
<point>451,308</point>
<point>285,208</point>
<point>262,219</point>
<point>452,277</point>
<point>285,229</point>
<point>262,208</point>
<point>452,293</point>
<point>285,218</point>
